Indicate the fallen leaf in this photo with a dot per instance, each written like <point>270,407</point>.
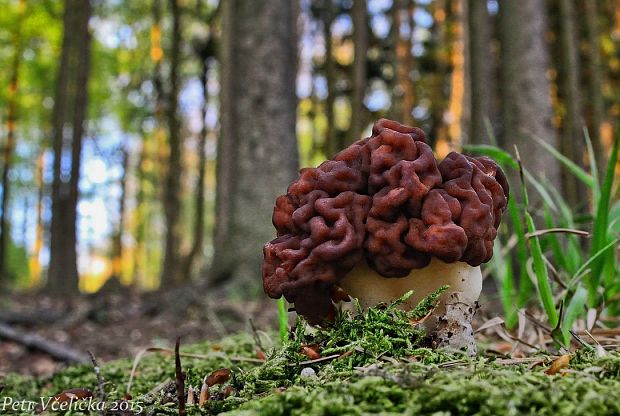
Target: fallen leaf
<point>558,364</point>
<point>311,351</point>
<point>260,354</point>
<point>204,393</point>
<point>73,394</point>
<point>220,376</point>
<point>190,396</point>
<point>490,323</point>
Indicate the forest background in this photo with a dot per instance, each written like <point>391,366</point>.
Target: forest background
<point>144,142</point>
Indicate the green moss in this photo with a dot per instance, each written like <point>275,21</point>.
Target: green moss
<point>414,380</point>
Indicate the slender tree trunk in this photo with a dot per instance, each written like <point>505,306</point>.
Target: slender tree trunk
<point>9,144</point>
<point>457,114</point>
<point>171,271</point>
<point>403,92</point>
<point>481,67</point>
<point>117,240</point>
<point>35,263</point>
<point>257,150</point>
<point>596,110</point>
<point>525,87</point>
<point>572,144</point>
<point>199,192</point>
<point>330,143</point>
<point>68,126</point>
<point>360,36</point>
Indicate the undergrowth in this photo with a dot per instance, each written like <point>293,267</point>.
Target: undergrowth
<point>371,363</point>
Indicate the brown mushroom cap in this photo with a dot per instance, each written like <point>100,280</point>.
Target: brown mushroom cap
<point>386,199</point>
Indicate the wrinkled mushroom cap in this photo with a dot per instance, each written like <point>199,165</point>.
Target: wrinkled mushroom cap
<point>384,199</point>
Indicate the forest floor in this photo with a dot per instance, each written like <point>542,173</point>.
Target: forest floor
<point>120,322</point>
<point>371,363</point>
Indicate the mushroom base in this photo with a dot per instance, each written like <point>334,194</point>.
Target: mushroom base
<point>450,323</point>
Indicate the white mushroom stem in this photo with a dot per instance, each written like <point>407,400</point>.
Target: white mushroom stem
<point>450,323</point>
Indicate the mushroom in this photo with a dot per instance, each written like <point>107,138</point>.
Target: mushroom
<point>383,217</point>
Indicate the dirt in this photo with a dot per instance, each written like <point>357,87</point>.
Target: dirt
<point>120,323</point>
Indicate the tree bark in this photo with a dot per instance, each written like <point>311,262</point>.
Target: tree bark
<point>596,110</point>
<point>329,70</point>
<point>572,144</point>
<point>117,240</point>
<point>199,192</point>
<point>403,91</point>
<point>35,263</point>
<point>171,270</point>
<point>68,120</point>
<point>9,145</point>
<point>526,106</point>
<point>360,36</point>
<point>481,68</point>
<point>257,150</point>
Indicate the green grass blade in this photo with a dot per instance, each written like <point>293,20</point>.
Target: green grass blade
<point>283,319</point>
<point>601,220</point>
<point>501,156</point>
<point>504,276</point>
<point>545,294</point>
<point>593,258</point>
<point>575,169</point>
<point>575,309</point>
<point>593,166</point>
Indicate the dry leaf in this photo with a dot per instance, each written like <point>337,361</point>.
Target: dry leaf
<point>204,393</point>
<point>490,323</point>
<point>220,376</point>
<point>190,396</point>
<point>260,354</point>
<point>311,351</point>
<point>558,364</point>
<point>73,394</point>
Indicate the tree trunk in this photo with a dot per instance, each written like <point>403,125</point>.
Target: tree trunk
<point>68,127</point>
<point>458,113</point>
<point>403,91</point>
<point>199,192</point>
<point>35,263</point>
<point>257,150</point>
<point>171,271</point>
<point>596,110</point>
<point>9,145</point>
<point>329,68</point>
<point>526,110</point>
<point>481,68</point>
<point>572,144</point>
<point>360,36</point>
<point>117,240</point>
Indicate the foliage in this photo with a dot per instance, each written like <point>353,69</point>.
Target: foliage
<point>582,279</point>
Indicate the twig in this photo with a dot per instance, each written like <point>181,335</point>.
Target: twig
<point>255,335</point>
<point>99,379</point>
<point>538,233</point>
<point>180,378</point>
<point>54,349</point>
<point>318,360</point>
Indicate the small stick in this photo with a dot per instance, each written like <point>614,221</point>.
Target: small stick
<point>180,377</point>
<point>98,374</point>
<point>538,233</point>
<point>255,335</point>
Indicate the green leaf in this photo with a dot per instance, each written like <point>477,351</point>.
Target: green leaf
<point>581,174</point>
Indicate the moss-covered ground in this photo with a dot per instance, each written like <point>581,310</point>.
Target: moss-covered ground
<point>374,363</point>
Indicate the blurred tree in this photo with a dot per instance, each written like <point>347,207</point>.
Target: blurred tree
<point>594,104</point>
<point>402,32</point>
<point>572,143</point>
<point>171,270</point>
<point>257,150</point>
<point>9,143</point>
<point>68,128</point>
<point>525,86</point>
<point>481,70</point>
<point>360,79</point>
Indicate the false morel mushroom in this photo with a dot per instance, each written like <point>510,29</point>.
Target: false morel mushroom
<point>383,217</point>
